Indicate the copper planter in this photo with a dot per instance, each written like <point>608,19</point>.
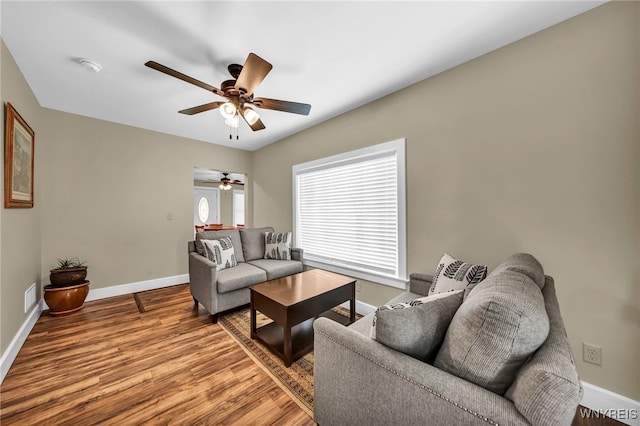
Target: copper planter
<point>65,300</point>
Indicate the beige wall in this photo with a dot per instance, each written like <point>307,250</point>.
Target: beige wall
<point>533,147</point>
<point>20,228</point>
<point>103,193</point>
<point>109,191</point>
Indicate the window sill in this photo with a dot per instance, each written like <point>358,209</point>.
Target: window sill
<point>368,276</point>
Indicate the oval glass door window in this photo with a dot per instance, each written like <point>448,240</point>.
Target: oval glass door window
<point>203,210</point>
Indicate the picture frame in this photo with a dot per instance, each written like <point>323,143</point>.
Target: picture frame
<point>19,146</point>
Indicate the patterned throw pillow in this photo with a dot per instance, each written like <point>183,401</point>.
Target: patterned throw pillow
<point>416,328</point>
<point>277,245</point>
<point>452,274</point>
<point>221,252</point>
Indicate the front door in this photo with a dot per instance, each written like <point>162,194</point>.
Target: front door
<point>206,206</point>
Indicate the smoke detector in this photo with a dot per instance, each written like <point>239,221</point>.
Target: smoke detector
<point>90,65</point>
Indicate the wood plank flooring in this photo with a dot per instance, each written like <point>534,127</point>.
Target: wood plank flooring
<point>110,363</point>
<point>144,359</point>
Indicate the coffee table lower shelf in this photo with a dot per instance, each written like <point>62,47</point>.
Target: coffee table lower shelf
<point>272,335</point>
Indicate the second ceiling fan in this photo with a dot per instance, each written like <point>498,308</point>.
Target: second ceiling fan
<point>239,93</point>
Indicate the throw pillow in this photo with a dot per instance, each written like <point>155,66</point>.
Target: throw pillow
<point>496,329</point>
<point>452,274</point>
<point>221,252</point>
<point>416,328</point>
<point>253,242</point>
<point>547,389</point>
<point>523,263</point>
<point>277,245</point>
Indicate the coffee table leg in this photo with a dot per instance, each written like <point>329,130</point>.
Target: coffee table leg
<point>352,305</point>
<point>286,343</point>
<point>253,319</point>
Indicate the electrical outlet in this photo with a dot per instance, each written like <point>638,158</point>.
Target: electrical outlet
<point>591,353</point>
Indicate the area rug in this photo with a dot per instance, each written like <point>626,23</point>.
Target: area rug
<point>297,380</point>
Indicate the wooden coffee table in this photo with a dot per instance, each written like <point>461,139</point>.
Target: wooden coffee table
<point>293,303</point>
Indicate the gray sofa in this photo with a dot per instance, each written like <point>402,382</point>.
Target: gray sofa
<point>361,381</point>
<point>223,290</point>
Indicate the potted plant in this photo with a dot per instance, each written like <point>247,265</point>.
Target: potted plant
<point>69,287</point>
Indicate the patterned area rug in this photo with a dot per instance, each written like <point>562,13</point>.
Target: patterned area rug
<point>296,380</point>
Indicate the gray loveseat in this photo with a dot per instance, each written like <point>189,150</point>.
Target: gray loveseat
<point>360,381</point>
<point>220,291</point>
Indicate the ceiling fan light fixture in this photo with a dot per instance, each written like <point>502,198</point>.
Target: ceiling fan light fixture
<point>251,116</point>
<point>232,122</point>
<point>228,110</point>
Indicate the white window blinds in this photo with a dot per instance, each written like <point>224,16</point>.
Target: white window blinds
<point>349,212</point>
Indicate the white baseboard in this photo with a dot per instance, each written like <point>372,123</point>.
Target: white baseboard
<point>119,290</point>
<point>361,307</point>
<point>101,293</point>
<point>602,403</point>
<point>18,340</point>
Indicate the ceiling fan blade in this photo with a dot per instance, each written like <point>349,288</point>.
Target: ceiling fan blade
<point>257,125</point>
<point>173,73</point>
<point>255,69</point>
<point>286,106</point>
<point>201,108</point>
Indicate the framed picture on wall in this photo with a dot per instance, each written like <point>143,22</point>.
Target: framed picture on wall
<point>18,161</point>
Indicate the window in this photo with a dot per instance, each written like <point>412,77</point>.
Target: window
<point>238,207</point>
<point>203,210</point>
<point>349,213</point>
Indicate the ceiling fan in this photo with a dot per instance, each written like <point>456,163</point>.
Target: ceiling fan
<point>225,182</point>
<point>239,93</point>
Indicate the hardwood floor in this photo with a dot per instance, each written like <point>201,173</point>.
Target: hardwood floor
<point>112,364</point>
<point>147,358</point>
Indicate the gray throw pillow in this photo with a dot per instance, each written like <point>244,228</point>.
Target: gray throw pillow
<point>547,389</point>
<point>496,329</point>
<point>416,328</point>
<point>523,263</point>
<point>253,242</point>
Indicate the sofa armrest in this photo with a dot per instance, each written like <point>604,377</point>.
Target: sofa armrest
<point>202,281</point>
<point>296,254</point>
<point>360,381</point>
<point>420,283</point>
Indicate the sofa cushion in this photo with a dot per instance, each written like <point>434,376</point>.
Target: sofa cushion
<point>363,325</point>
<point>253,242</point>
<point>277,245</point>
<point>453,274</point>
<point>499,325</point>
<point>238,277</point>
<point>523,263</point>
<point>416,328</point>
<point>214,235</point>
<point>277,268</point>
<point>220,252</point>
<point>550,375</point>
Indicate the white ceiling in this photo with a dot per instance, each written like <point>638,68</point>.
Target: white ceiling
<point>333,55</point>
